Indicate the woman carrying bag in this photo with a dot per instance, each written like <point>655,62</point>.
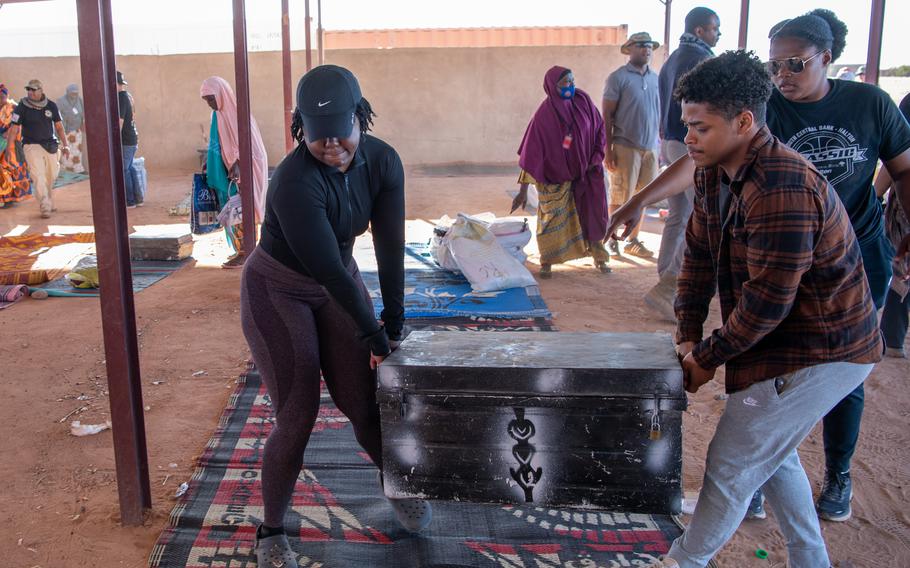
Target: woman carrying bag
<point>223,160</point>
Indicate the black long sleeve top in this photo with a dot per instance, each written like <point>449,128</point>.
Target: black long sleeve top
<point>313,214</point>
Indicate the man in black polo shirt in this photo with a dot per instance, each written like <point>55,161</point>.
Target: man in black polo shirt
<point>38,118</point>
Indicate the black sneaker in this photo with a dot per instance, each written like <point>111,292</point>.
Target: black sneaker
<point>833,502</point>
<point>613,247</point>
<point>757,506</point>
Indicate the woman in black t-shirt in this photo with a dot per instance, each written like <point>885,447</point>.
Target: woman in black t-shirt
<point>844,128</point>
<point>304,307</point>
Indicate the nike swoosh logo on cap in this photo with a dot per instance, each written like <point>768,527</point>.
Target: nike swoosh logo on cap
<point>320,105</point>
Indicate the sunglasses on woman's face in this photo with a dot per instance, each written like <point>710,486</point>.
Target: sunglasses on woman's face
<point>30,89</point>
<point>792,64</point>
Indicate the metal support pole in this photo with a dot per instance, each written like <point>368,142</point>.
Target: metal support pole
<point>242,80</point>
<point>667,11</point>
<point>286,75</point>
<point>874,54</point>
<point>743,23</point>
<point>320,33</point>
<point>118,316</point>
<point>309,45</point>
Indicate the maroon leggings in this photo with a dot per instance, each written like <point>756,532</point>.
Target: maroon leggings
<point>295,330</point>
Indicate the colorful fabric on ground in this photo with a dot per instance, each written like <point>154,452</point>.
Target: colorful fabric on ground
<point>443,294</point>
<point>339,517</point>
<point>14,181</point>
<point>145,273</point>
<point>19,256</point>
<point>480,324</point>
<point>11,293</point>
<point>431,292</point>
<point>67,178</point>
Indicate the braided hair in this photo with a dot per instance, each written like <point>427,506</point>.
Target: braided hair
<point>820,27</point>
<point>363,111</point>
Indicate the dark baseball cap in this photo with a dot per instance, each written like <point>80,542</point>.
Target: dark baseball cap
<point>327,97</point>
<point>120,79</point>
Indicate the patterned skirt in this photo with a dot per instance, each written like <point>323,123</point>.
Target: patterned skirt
<point>74,161</point>
<point>559,234</point>
<point>14,182</point>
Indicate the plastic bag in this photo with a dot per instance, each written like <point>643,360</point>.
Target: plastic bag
<point>79,429</point>
<point>439,250</point>
<point>85,273</point>
<point>204,214</point>
<point>142,177</point>
<point>483,261</point>
<point>512,233</point>
<point>232,213</point>
<point>533,201</point>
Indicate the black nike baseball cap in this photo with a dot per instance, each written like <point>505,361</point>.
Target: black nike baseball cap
<point>327,98</point>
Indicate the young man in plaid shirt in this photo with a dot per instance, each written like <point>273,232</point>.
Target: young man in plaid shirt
<point>799,332</point>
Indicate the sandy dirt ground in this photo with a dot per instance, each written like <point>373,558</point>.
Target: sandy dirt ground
<point>58,503</point>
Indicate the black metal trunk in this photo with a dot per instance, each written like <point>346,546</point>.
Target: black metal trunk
<point>555,419</point>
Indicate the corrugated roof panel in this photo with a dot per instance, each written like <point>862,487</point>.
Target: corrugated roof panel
<point>476,37</point>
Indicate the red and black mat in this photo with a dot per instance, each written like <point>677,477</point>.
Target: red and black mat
<point>339,517</point>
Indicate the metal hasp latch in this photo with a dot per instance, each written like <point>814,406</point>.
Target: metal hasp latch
<point>655,433</point>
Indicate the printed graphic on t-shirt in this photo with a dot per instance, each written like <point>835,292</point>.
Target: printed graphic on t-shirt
<point>833,151</point>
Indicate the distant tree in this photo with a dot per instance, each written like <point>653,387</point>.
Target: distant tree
<point>902,71</point>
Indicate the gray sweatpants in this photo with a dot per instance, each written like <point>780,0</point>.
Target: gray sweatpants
<point>673,240</point>
<point>755,445</point>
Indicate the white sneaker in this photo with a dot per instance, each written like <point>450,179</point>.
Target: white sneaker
<point>661,297</point>
<point>275,552</point>
<point>413,514</point>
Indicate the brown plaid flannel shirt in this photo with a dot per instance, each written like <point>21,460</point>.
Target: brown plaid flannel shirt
<point>787,266</point>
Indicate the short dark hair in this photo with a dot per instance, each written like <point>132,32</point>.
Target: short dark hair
<point>699,17</point>
<point>820,27</point>
<point>363,111</point>
<point>732,82</point>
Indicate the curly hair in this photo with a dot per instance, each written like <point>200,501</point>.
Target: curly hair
<point>730,83</point>
<point>819,27</point>
<point>363,112</point>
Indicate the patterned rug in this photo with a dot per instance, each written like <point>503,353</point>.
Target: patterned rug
<point>480,324</point>
<point>12,293</point>
<point>66,178</point>
<point>442,294</point>
<point>339,518</point>
<point>145,273</point>
<point>33,259</point>
<point>431,292</point>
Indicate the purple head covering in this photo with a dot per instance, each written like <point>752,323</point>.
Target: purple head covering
<point>3,89</point>
<point>542,155</point>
